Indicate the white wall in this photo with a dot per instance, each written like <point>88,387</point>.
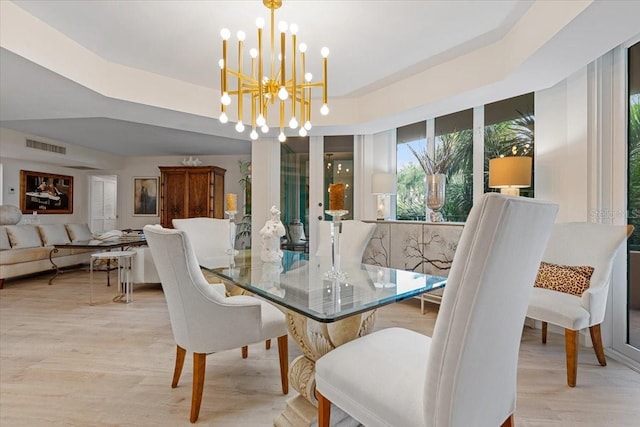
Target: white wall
<point>581,155</point>
<point>148,167</point>
<point>16,156</point>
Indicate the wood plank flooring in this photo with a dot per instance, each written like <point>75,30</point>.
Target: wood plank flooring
<point>65,363</point>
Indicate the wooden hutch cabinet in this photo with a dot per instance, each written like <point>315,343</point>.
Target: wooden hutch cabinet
<point>189,192</point>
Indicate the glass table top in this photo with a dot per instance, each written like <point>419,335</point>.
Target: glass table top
<point>300,283</point>
<point>104,244</point>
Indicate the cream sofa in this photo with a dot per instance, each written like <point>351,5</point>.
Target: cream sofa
<point>25,249</point>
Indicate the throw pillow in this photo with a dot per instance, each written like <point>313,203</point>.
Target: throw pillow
<point>4,239</point>
<point>79,232</point>
<point>53,234</point>
<point>23,236</point>
<point>572,280</point>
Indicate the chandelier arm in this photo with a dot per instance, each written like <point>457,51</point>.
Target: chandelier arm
<point>303,104</point>
<point>241,75</point>
<point>309,104</point>
<point>324,80</point>
<point>260,72</point>
<point>282,117</point>
<point>240,78</point>
<point>283,70</point>
<point>294,88</point>
<point>272,41</point>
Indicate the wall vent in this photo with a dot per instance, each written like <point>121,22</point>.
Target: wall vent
<point>38,145</point>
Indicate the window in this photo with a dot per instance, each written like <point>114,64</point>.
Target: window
<point>509,131</point>
<point>454,139</point>
<point>411,196</point>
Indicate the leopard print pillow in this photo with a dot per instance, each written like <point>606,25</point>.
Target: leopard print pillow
<point>569,279</point>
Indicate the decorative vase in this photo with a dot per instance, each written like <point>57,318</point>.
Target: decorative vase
<point>296,230</point>
<point>436,195</point>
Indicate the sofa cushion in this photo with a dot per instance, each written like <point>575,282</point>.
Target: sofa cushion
<point>53,234</point>
<point>4,239</point>
<point>23,256</point>
<point>23,236</point>
<point>79,232</point>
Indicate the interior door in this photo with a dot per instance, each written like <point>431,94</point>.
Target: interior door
<point>103,203</point>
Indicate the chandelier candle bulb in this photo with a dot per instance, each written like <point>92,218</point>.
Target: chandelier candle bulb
<point>232,200</point>
<point>336,197</point>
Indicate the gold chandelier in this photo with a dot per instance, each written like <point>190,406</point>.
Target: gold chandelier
<point>272,87</point>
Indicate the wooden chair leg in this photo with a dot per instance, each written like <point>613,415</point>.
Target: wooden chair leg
<point>283,355</point>
<point>267,344</point>
<point>199,364</point>
<point>177,371</point>
<point>324,410</point>
<point>544,332</point>
<point>509,422</point>
<point>571,349</point>
<point>596,338</point>
<point>245,352</point>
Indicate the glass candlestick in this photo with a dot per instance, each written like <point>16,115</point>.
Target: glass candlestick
<point>232,237</point>
<point>336,230</point>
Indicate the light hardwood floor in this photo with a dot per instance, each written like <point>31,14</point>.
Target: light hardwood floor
<point>65,363</point>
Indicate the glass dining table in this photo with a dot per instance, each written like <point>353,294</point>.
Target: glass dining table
<point>323,311</point>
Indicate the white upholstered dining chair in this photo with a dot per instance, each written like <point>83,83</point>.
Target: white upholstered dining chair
<point>577,244</point>
<point>209,238</point>
<point>466,374</point>
<point>203,319</point>
<point>353,240</point>
<point>211,243</point>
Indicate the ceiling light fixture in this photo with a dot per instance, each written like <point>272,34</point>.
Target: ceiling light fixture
<point>272,86</point>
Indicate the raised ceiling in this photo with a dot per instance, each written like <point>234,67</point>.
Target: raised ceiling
<point>141,78</point>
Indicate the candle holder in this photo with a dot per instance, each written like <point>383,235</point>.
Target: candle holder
<point>336,230</point>
<point>232,237</point>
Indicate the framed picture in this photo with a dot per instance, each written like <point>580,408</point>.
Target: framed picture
<point>46,193</point>
<point>145,196</point>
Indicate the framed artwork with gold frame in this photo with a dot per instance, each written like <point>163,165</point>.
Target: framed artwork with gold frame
<point>46,193</point>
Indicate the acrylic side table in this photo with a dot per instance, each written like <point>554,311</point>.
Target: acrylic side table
<point>125,286</point>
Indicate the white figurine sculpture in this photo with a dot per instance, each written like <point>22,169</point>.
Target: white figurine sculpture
<point>271,233</point>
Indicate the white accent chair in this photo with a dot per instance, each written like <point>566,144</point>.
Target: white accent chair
<point>203,320</point>
<point>209,238</point>
<point>353,240</point>
<point>577,244</point>
<point>466,374</point>
<point>211,243</point>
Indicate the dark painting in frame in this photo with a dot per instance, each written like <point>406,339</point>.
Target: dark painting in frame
<point>145,196</point>
<point>46,193</point>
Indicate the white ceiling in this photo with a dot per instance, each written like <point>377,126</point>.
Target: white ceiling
<point>374,45</point>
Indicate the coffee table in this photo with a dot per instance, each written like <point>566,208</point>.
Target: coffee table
<point>97,245</point>
<point>322,312</point>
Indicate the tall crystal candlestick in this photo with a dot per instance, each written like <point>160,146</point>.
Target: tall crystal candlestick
<point>232,237</point>
<point>336,230</point>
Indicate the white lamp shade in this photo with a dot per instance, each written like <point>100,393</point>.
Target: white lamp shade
<point>383,183</point>
<point>510,172</point>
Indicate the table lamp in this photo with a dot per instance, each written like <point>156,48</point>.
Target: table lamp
<point>510,174</point>
<point>383,185</point>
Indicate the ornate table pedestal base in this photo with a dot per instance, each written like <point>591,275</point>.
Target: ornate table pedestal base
<point>316,339</point>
